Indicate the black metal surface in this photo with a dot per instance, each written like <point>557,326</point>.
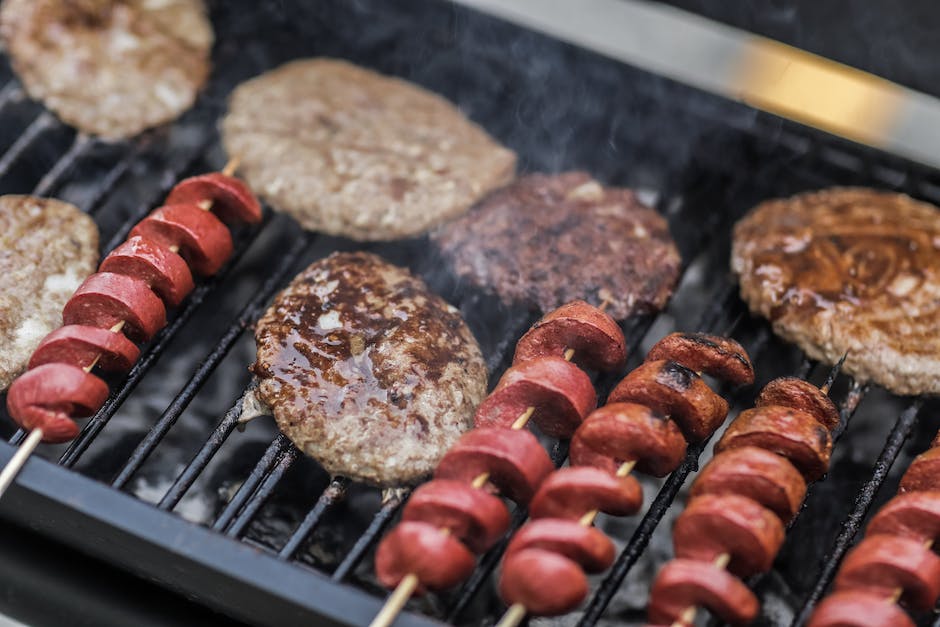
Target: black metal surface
<point>248,524</point>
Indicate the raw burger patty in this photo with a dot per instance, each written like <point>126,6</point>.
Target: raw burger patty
<point>47,248</point>
<point>546,240</point>
<point>109,68</point>
<point>849,269</point>
<point>349,152</point>
<point>367,371</point>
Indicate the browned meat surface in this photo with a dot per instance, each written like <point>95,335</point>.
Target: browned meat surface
<point>47,248</point>
<point>546,240</point>
<point>109,67</point>
<point>367,371</point>
<point>849,269</point>
<point>349,152</point>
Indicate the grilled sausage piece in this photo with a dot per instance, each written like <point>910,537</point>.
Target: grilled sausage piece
<point>473,516</point>
<point>105,299</point>
<point>46,397</point>
<point>914,515</point>
<point>799,394</point>
<point>881,564</point>
<point>714,524</point>
<point>80,345</point>
<point>230,197</point>
<point>203,241</point>
<point>438,559</point>
<point>688,583</point>
<point>561,393</point>
<point>923,473</point>
<point>760,475</point>
<point>586,546</point>
<point>570,492</point>
<point>858,608</point>
<point>515,461</point>
<point>677,392</point>
<point>546,583</point>
<point>720,357</point>
<point>619,432</point>
<point>792,433</point>
<point>595,337</point>
<point>163,270</point>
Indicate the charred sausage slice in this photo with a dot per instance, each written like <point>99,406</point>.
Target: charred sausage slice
<point>720,357</point>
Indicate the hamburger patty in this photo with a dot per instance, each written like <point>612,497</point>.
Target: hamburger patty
<point>47,248</point>
<point>349,152</point>
<point>547,240</point>
<point>849,270</point>
<point>109,67</point>
<point>367,371</point>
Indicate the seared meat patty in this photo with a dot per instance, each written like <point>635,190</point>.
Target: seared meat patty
<point>109,67</point>
<point>367,371</point>
<point>47,248</point>
<point>849,269</point>
<point>349,152</point>
<point>547,240</point>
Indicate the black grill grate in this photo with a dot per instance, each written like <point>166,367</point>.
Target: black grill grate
<point>708,160</point>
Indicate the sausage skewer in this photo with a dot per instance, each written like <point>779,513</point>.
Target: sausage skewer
<point>407,586</point>
<point>784,437</point>
<point>139,278</point>
<point>639,428</point>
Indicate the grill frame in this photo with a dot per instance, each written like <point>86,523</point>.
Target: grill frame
<point>260,586</point>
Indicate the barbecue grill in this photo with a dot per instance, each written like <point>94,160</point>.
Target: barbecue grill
<point>162,482</point>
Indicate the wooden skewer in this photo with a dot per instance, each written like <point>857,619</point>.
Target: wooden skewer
<point>688,615</point>
<point>406,587</point>
<point>16,463</point>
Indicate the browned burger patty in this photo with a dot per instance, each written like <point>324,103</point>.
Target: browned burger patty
<point>109,67</point>
<point>849,269</point>
<point>546,240</point>
<point>349,152</point>
<point>47,248</point>
<point>367,371</point>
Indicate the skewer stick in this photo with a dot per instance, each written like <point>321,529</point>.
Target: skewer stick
<point>688,615</point>
<point>16,463</point>
<point>406,587</point>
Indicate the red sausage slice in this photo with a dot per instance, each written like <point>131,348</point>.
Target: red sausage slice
<point>570,492</point>
<point>49,395</point>
<point>792,433</point>
<point>858,609</point>
<point>923,473</point>
<point>881,564</point>
<point>595,337</point>
<point>163,270</point>
<point>231,199</point>
<point>203,241</point>
<point>80,345</point>
<point>515,461</point>
<point>619,432</point>
<point>686,583</point>
<point>914,515</point>
<point>105,299</point>
<point>561,393</point>
<point>546,583</point>
<point>714,524</point>
<point>677,392</point>
<point>799,394</point>
<point>760,475</point>
<point>438,559</point>
<point>586,546</point>
<point>720,357</point>
<point>475,517</point>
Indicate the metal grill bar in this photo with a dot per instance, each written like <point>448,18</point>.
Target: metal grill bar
<point>255,477</point>
<point>43,121</point>
<point>249,313</point>
<point>80,144</point>
<point>333,494</point>
<point>379,522</point>
<point>94,426</point>
<point>10,92</point>
<point>110,180</point>
<point>853,522</point>
<point>263,493</point>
